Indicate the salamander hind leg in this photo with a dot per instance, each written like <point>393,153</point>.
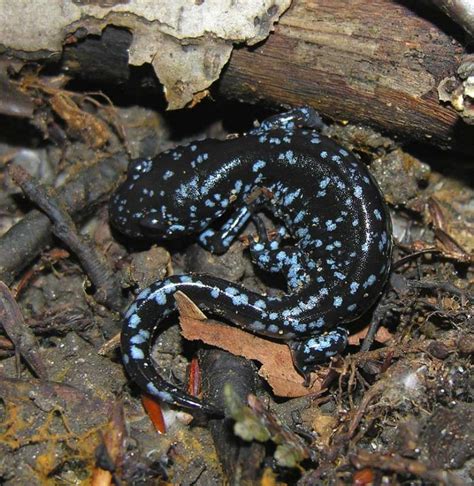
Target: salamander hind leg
<point>271,257</point>
<point>317,349</point>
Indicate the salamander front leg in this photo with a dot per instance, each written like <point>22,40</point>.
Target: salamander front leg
<point>219,241</point>
<point>317,349</point>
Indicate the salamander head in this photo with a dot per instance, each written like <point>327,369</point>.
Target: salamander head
<point>154,201</point>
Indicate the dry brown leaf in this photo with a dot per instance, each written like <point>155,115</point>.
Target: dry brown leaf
<point>381,336</point>
<point>277,364</point>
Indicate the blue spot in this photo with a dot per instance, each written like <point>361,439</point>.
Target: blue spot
<point>264,258</point>
<point>290,157</point>
<point>168,174</point>
<point>261,304</point>
<point>299,217</point>
<point>136,353</point>
<point>299,326</point>
<point>370,281</point>
<point>133,321</point>
<point>241,299</point>
<point>159,296</point>
<point>140,338</point>
<point>231,291</point>
<point>260,164</point>
<point>330,226</point>
<point>205,235</point>
<point>337,301</point>
<point>176,227</point>
<point>257,326</point>
<point>354,286</point>
<point>289,198</point>
<point>317,324</point>
<point>301,232</point>
<point>324,183</point>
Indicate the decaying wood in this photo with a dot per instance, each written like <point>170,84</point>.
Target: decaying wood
<point>378,63</point>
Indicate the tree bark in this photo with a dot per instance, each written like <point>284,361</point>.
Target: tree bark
<point>377,63</point>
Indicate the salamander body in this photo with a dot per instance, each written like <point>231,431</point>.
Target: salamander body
<point>328,205</point>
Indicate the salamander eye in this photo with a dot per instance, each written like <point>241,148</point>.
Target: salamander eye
<point>153,223</point>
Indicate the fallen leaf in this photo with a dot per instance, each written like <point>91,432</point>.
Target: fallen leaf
<point>381,336</point>
<point>277,364</point>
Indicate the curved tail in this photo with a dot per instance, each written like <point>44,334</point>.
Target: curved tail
<point>142,322</point>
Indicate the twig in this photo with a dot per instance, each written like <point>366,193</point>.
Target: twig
<point>400,465</point>
<point>377,317</point>
<point>21,335</point>
<point>23,242</point>
<point>444,286</point>
<point>104,280</point>
<point>414,255</point>
<point>109,454</point>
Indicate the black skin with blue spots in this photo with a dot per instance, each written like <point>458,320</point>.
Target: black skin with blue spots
<point>328,204</point>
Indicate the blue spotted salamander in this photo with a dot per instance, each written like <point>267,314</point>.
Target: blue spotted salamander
<point>328,204</point>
